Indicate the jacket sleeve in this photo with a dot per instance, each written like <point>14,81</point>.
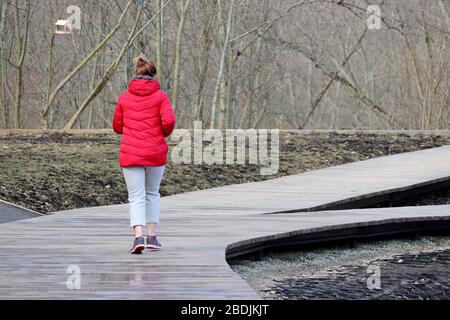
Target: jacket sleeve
<point>118,118</point>
<point>167,115</point>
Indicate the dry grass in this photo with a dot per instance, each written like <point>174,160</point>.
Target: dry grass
<point>54,171</point>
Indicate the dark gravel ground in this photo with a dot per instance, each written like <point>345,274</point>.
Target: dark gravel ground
<point>54,172</point>
<point>408,269</point>
<point>439,197</point>
<point>423,276</point>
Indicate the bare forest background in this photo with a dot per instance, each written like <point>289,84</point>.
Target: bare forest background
<point>291,64</point>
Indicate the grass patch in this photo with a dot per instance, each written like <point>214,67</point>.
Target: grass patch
<point>52,172</point>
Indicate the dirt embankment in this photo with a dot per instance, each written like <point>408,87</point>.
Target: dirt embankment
<point>53,172</point>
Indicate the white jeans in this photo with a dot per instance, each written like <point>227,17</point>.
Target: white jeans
<point>143,193</point>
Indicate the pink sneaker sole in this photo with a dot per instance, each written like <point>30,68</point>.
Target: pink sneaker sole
<point>138,249</point>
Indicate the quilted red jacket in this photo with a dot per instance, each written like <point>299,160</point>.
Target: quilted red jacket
<point>144,116</point>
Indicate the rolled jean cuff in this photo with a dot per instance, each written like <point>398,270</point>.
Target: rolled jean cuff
<point>136,219</point>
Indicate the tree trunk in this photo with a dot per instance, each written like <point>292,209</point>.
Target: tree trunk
<point>159,41</point>
<point>229,113</point>
<point>21,48</point>
<point>176,75</point>
<point>207,29</point>
<point>5,113</point>
<point>50,74</point>
<point>94,72</point>
<point>220,73</point>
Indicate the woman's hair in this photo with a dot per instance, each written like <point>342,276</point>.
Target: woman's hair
<point>143,67</point>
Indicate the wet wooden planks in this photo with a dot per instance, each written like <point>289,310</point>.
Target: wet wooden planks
<point>195,229</point>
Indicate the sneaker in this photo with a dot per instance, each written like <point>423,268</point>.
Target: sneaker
<point>153,243</point>
<point>138,245</point>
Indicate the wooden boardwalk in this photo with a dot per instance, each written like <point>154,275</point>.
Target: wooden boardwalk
<point>198,227</point>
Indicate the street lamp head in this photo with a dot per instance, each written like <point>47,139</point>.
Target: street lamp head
<point>63,27</point>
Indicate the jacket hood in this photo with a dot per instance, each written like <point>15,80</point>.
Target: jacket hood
<point>143,87</point>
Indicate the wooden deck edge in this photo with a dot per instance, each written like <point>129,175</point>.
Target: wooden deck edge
<point>369,199</point>
<point>412,226</point>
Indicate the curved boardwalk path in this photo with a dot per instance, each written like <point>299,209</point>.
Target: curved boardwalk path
<point>198,228</point>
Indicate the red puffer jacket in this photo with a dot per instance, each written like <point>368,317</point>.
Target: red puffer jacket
<point>144,116</point>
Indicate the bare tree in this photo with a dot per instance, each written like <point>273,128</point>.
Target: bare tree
<point>21,41</point>
<point>3,102</point>
<point>222,61</point>
<point>184,7</point>
<point>159,40</point>
<point>202,62</point>
<point>113,66</point>
<point>75,70</point>
<point>250,64</point>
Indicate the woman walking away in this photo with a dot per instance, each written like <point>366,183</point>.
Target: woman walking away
<point>144,116</point>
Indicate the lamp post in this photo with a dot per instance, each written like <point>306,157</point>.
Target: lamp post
<point>62,27</point>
